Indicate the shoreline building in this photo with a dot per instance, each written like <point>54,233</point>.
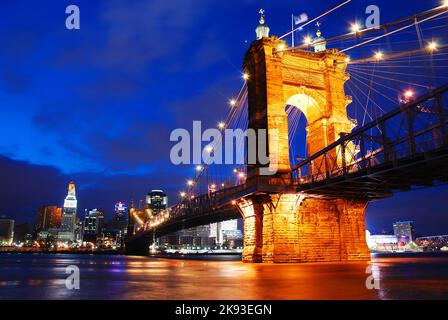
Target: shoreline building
<point>404,231</point>
<point>6,231</point>
<point>68,221</point>
<point>48,217</point>
<point>92,226</point>
<point>226,233</point>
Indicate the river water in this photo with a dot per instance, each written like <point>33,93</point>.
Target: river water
<point>43,276</point>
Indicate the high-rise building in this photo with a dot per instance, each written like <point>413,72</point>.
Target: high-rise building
<point>20,232</point>
<point>93,223</point>
<point>157,201</point>
<point>48,217</point>
<point>68,221</point>
<point>6,231</point>
<point>121,212</point>
<point>404,231</point>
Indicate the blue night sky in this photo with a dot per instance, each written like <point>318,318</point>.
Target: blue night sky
<point>97,105</point>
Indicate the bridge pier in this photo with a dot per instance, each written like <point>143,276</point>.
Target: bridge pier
<point>289,228</point>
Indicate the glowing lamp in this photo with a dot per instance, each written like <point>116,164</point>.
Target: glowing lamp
<point>355,27</point>
<point>432,45</point>
<point>379,55</point>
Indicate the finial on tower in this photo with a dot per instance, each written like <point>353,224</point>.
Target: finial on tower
<point>261,12</point>
<point>319,43</point>
<point>318,32</point>
<point>262,30</point>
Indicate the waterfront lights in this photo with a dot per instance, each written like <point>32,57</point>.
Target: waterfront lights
<point>221,125</point>
<point>355,27</point>
<point>307,40</point>
<point>432,46</point>
<point>379,55</point>
<point>245,76</point>
<point>232,102</point>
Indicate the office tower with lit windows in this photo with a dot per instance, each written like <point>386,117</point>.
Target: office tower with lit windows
<point>93,223</point>
<point>157,201</point>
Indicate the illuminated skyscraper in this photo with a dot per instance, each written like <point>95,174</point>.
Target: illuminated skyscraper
<point>157,201</point>
<point>67,231</point>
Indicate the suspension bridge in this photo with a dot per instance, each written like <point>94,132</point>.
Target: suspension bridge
<point>387,135</point>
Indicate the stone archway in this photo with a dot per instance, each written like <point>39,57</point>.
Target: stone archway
<point>312,81</point>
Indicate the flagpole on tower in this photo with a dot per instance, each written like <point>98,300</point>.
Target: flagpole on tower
<point>292,30</point>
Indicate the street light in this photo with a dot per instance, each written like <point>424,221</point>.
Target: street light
<point>232,102</point>
<point>355,27</point>
<point>379,55</point>
<point>307,40</point>
<point>408,94</point>
<point>432,46</point>
<point>245,76</point>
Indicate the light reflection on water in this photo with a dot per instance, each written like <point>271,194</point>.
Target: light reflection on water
<point>119,277</point>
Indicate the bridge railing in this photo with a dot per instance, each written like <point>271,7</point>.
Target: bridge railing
<point>412,129</point>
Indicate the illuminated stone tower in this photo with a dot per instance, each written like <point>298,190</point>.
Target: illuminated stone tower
<point>295,227</point>
<point>69,213</point>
